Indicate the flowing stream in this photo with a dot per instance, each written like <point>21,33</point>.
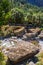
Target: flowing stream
<point>10,43</point>
<point>41,44</point>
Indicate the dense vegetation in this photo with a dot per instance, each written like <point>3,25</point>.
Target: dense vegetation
<point>40,58</point>
<point>20,12</point>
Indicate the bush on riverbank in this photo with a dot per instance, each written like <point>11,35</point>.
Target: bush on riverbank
<point>2,59</point>
<point>40,58</point>
<point>4,8</point>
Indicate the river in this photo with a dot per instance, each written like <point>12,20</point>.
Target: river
<point>9,42</point>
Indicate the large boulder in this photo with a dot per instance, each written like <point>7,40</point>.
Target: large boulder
<point>33,32</point>
<point>30,35</point>
<point>21,50</point>
<point>19,31</point>
<point>12,30</point>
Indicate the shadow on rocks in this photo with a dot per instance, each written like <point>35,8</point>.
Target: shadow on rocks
<point>24,62</point>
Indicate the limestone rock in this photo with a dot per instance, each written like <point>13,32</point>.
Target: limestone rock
<point>20,31</point>
<point>21,51</point>
<point>33,32</point>
<point>12,30</point>
<point>30,35</point>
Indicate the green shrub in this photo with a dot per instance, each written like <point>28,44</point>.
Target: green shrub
<point>40,58</point>
<point>39,63</point>
<point>3,59</point>
<point>15,16</point>
<point>1,56</point>
<point>4,8</point>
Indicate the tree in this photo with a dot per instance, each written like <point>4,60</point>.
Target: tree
<point>4,8</point>
<point>19,17</point>
<point>5,5</point>
<point>29,17</point>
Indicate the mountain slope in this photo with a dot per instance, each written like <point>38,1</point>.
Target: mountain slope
<point>36,2</point>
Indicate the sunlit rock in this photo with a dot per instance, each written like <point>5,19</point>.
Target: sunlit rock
<point>7,31</point>
<point>32,33</point>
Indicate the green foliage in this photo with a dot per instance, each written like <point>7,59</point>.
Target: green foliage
<point>3,59</point>
<point>1,56</point>
<point>20,12</point>
<point>5,5</point>
<point>4,8</point>
<point>41,28</point>
<point>15,16</point>
<point>40,58</point>
<point>19,17</point>
<point>39,63</point>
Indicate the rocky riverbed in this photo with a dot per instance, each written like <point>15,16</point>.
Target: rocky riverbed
<point>9,44</point>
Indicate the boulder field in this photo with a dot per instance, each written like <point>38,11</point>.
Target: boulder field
<point>19,31</point>
<point>18,49</point>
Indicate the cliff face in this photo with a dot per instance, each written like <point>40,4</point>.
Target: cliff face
<point>36,2</point>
